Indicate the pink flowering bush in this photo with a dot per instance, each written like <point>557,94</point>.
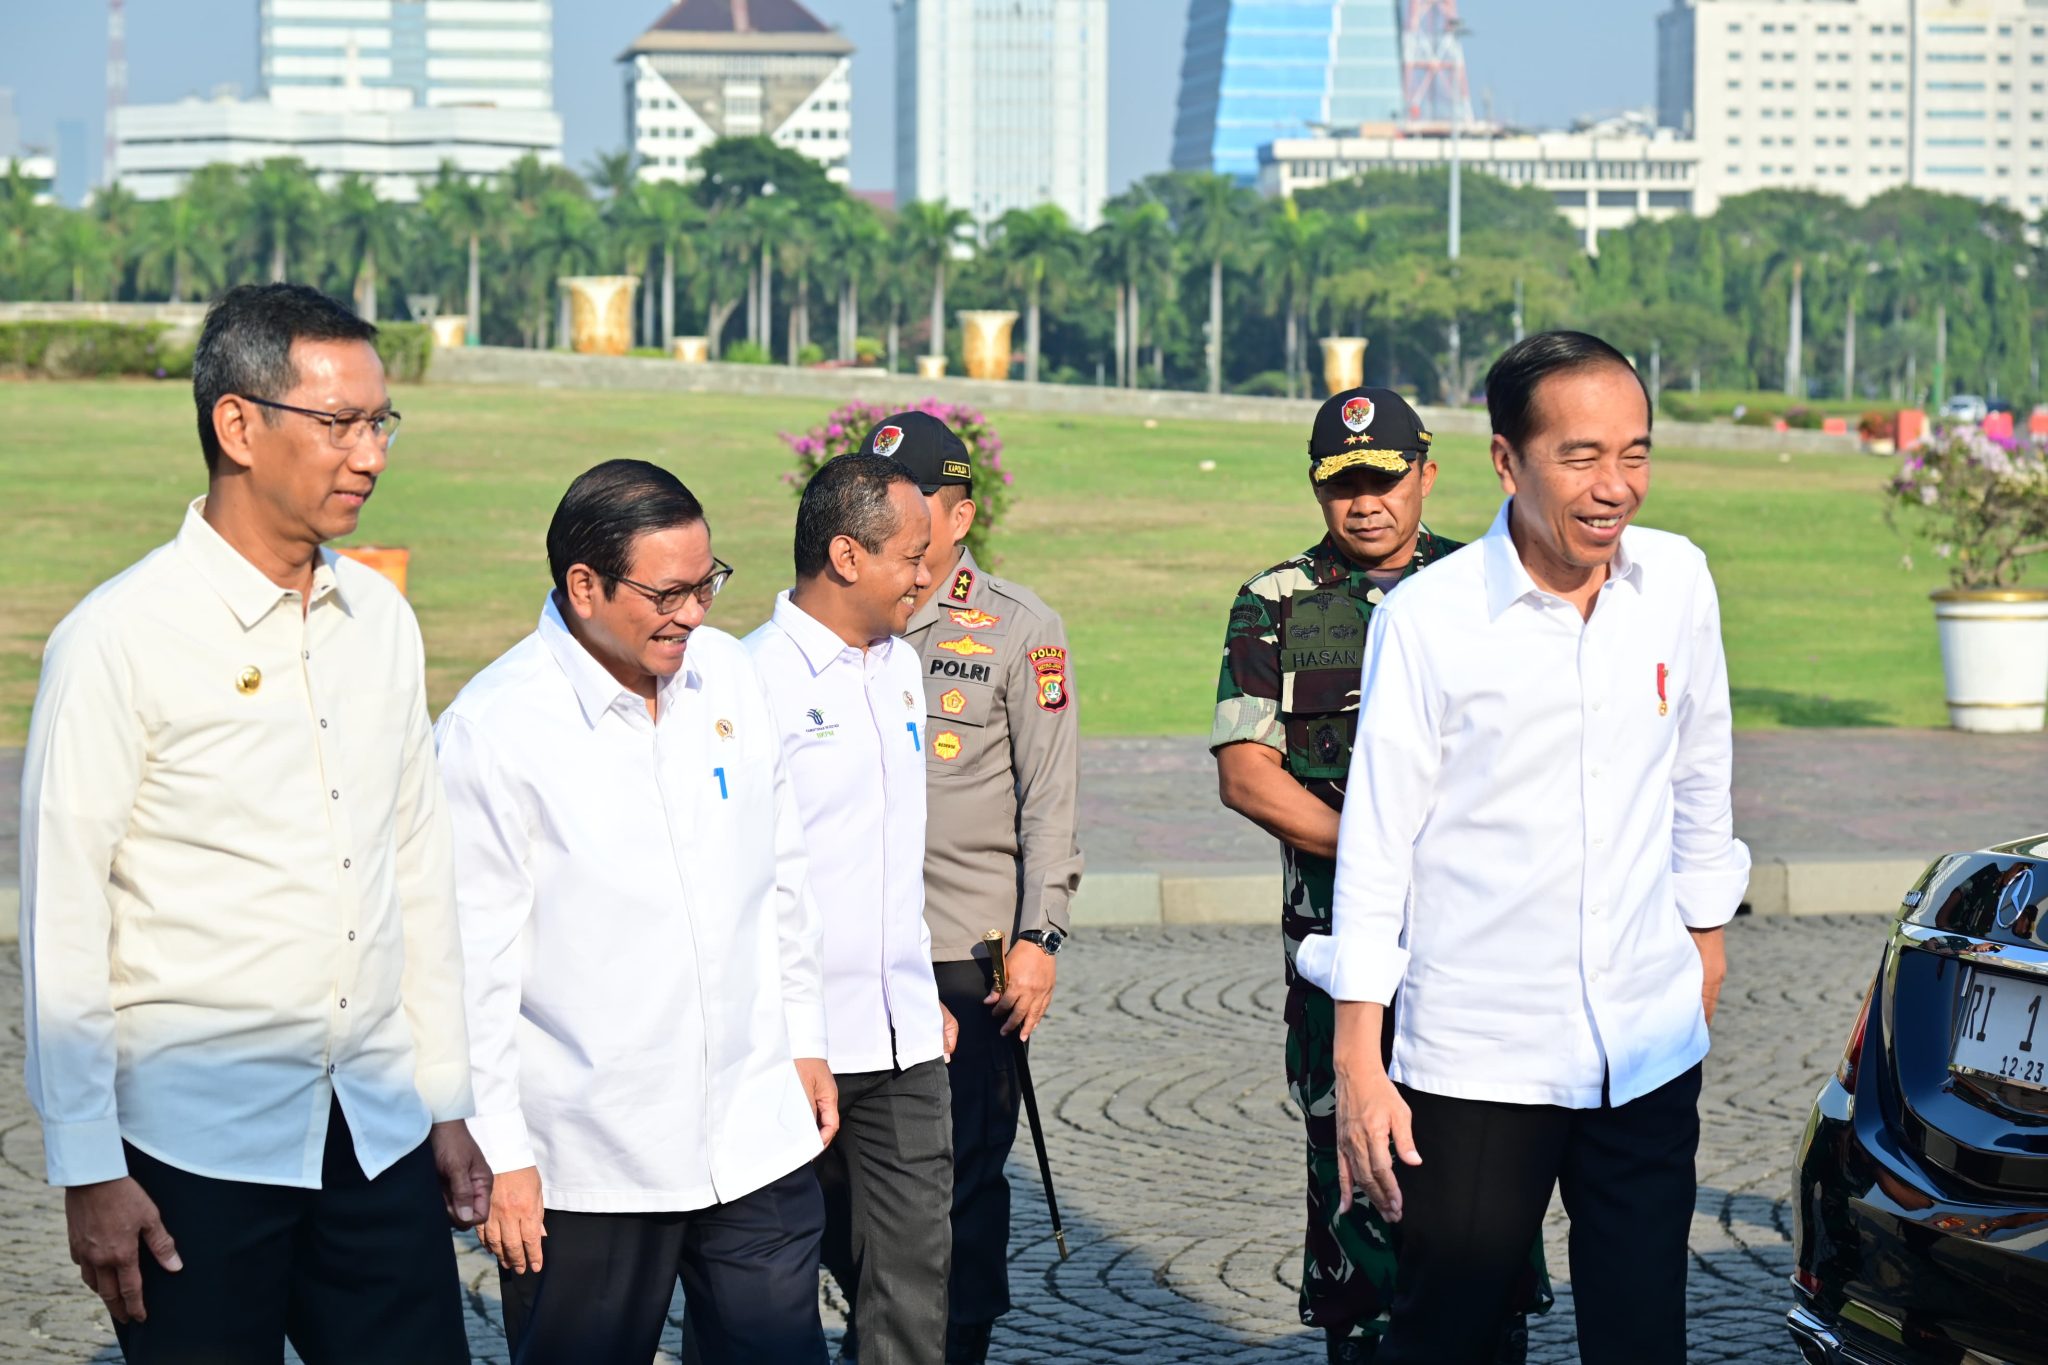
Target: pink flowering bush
<point>841,433</point>
<point>1981,503</point>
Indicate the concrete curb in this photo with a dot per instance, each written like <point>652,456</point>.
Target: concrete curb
<point>1249,893</point>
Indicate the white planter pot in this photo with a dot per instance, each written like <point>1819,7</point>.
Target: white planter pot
<point>1994,656</point>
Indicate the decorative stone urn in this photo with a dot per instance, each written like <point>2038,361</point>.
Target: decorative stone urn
<point>390,560</point>
<point>931,367</point>
<point>600,312</point>
<point>985,337</point>
<point>1343,363</point>
<point>1994,657</point>
<point>450,332</point>
<point>691,350</point>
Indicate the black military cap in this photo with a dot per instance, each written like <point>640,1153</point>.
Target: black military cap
<point>925,447</point>
<point>1365,429</point>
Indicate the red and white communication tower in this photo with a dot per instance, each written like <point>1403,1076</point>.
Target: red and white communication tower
<point>117,80</point>
<point>1433,65</point>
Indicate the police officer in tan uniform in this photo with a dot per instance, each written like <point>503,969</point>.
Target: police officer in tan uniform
<point>1003,760</point>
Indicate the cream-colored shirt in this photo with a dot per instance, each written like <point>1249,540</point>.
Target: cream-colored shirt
<point>236,895</point>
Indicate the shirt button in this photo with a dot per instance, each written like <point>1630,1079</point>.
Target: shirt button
<point>1596,706</point>
<point>305,654</point>
<point>336,793</point>
<point>345,863</point>
<point>1593,975</point>
<point>330,1068</point>
<point>323,722</point>
<point>1593,772</point>
<point>351,936</point>
<point>344,1002</point>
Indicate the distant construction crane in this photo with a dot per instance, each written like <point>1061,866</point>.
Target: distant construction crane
<point>1433,65</point>
<point>117,80</point>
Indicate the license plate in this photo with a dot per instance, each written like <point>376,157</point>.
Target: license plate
<point>2001,1035</point>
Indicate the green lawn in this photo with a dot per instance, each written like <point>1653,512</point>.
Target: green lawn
<point>1115,525</point>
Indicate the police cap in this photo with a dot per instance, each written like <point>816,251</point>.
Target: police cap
<point>1365,429</point>
<point>925,447</point>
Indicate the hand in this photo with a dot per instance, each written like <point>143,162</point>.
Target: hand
<point>1713,950</point>
<point>465,1175</point>
<point>1373,1125</point>
<point>109,1223</point>
<point>514,1230</point>
<point>1027,989</point>
<point>950,1028</point>
<point>823,1093</point>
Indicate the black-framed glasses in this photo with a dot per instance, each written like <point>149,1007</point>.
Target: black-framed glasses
<point>666,600</point>
<point>346,427</point>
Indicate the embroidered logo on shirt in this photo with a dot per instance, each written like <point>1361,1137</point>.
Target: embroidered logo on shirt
<point>819,728</point>
<point>953,702</point>
<point>946,745</point>
<point>1050,663</point>
<point>974,620</point>
<point>817,716</point>
<point>966,646</point>
<point>248,680</point>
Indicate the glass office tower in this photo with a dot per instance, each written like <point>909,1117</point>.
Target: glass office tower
<point>1256,70</point>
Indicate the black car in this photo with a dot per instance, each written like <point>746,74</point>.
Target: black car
<point>1921,1212</point>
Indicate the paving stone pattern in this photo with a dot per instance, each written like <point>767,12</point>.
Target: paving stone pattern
<point>1178,1161</point>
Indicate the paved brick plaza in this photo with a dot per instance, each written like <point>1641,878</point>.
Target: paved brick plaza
<point>1177,1155</point>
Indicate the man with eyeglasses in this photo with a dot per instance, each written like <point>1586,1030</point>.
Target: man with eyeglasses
<point>646,1003</point>
<point>245,1033</point>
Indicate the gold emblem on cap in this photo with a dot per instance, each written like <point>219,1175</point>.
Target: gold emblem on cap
<point>248,680</point>
<point>1388,461</point>
<point>724,729</point>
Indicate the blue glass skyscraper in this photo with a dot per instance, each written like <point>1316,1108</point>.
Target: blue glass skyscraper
<point>1256,70</point>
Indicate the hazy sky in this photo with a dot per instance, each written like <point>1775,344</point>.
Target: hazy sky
<point>1540,63</point>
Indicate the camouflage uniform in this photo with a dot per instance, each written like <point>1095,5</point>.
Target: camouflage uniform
<point>1291,661</point>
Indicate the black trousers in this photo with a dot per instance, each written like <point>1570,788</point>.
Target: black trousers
<point>749,1270</point>
<point>1472,1207</point>
<point>888,1183</point>
<point>357,1272</point>
<point>985,1106</point>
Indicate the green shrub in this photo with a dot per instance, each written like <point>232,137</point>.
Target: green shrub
<point>406,348</point>
<point>85,350</point>
<point>1805,419</point>
<point>813,354</point>
<point>1757,417</point>
<point>868,351</point>
<point>1265,384</point>
<point>747,353</point>
<point>647,353</point>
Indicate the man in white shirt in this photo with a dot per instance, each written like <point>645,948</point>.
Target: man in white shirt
<point>646,1011</point>
<point>848,702</point>
<point>242,967</point>
<point>1537,852</point>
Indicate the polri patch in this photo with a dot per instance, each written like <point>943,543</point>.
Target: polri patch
<point>946,745</point>
<point>953,701</point>
<point>1049,662</point>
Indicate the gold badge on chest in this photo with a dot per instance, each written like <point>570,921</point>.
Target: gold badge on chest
<point>248,680</point>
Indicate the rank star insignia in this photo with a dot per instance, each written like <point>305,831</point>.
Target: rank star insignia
<point>963,586</point>
<point>1361,439</point>
<point>953,702</point>
<point>966,646</point>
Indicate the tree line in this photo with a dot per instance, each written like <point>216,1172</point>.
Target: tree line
<point>1190,281</point>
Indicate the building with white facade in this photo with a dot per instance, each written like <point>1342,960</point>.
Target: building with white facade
<point>1599,178</point>
<point>409,53</point>
<point>738,68</point>
<point>1854,97</point>
<point>157,147</point>
<point>1003,104</point>
<point>40,171</point>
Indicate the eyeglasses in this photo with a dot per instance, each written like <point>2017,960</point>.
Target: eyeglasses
<point>666,600</point>
<point>345,428</point>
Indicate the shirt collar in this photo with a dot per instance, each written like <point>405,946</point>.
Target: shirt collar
<point>817,642</point>
<point>1508,582</point>
<point>597,691</point>
<point>247,590</point>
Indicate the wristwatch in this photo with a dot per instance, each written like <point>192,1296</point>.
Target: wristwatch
<point>1047,941</point>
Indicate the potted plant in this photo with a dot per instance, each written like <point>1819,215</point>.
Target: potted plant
<point>1983,506</point>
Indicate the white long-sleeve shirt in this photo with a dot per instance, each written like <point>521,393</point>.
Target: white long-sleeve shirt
<point>642,956</point>
<point>1538,809</point>
<point>235,891</point>
<point>852,728</point>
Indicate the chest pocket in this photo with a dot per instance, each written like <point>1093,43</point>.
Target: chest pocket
<point>956,717</point>
<point>1322,649</point>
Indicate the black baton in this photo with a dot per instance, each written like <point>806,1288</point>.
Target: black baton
<point>994,939</point>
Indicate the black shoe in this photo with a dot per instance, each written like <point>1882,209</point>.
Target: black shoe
<point>1514,1341</point>
<point>1346,1349</point>
<point>967,1342</point>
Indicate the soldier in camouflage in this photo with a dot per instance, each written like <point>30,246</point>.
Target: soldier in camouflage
<point>1286,715</point>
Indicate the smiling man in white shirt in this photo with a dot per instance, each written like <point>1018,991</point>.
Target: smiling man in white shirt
<point>243,974</point>
<point>1537,852</point>
<point>848,700</point>
<point>647,1017</point>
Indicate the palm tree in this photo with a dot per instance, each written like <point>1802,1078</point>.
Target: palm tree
<point>1215,220</point>
<point>727,254</point>
<point>1857,265</point>
<point>611,173</point>
<point>1286,270</point>
<point>1033,245</point>
<point>633,235</point>
<point>284,205</point>
<point>119,214</point>
<point>180,248</point>
<point>1134,241</point>
<point>674,221</point>
<point>361,227</point>
<point>931,230</point>
<point>852,233</point>
<point>797,250</point>
<point>78,246</point>
<point>765,221</point>
<point>467,211</point>
<point>559,239</point>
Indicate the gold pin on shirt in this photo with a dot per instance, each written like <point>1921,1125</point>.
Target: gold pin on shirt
<point>725,729</point>
<point>248,680</point>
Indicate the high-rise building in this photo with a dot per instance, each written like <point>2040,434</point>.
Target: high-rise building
<point>408,53</point>
<point>1003,104</point>
<point>1855,97</point>
<point>1254,71</point>
<point>738,68</point>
